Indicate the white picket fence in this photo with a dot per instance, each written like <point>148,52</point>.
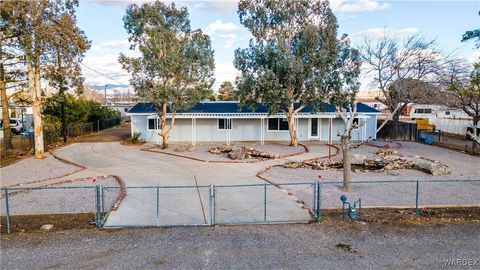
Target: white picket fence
<point>454,126</point>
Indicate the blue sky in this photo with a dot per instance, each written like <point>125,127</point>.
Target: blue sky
<point>445,21</point>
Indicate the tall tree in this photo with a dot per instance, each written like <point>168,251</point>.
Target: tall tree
<point>12,75</point>
<point>225,92</point>
<point>176,64</point>
<point>64,72</point>
<point>39,27</point>
<point>400,67</point>
<point>291,62</point>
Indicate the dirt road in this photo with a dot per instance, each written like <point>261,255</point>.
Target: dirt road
<point>313,246</point>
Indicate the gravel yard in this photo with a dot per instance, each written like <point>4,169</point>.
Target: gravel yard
<point>201,151</point>
<point>59,200</point>
<point>463,166</point>
<point>395,193</point>
<point>31,169</point>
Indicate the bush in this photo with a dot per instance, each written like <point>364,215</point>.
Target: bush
<point>77,110</point>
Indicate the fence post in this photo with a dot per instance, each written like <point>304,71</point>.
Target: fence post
<point>265,203</point>
<point>157,217</point>
<point>7,210</point>
<point>214,210</point>
<point>103,205</point>
<point>97,202</point>
<point>210,204</point>
<point>416,201</point>
<point>98,125</point>
<point>319,201</point>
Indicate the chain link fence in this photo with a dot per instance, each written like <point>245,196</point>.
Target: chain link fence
<point>150,206</point>
<point>25,141</point>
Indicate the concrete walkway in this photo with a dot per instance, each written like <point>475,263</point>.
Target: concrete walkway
<point>187,206</point>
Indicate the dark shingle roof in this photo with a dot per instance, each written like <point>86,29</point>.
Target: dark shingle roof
<point>233,107</point>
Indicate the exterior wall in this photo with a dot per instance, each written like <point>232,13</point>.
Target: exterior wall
<point>247,130</point>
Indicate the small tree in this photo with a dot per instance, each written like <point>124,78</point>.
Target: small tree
<point>176,65</point>
<point>462,91</point>
<point>400,68</point>
<point>291,61</point>
<point>225,92</point>
<point>64,72</point>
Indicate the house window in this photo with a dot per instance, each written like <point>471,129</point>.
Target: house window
<point>224,124</point>
<point>152,123</point>
<point>423,110</point>
<point>447,112</point>
<point>275,124</point>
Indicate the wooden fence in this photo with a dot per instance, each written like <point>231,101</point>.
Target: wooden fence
<point>400,131</point>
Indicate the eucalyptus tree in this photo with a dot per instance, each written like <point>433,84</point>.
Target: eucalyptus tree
<point>294,58</point>
<point>175,66</point>
<point>40,26</point>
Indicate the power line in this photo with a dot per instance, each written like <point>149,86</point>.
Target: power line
<point>105,75</point>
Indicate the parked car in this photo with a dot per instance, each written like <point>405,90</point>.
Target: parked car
<point>16,125</point>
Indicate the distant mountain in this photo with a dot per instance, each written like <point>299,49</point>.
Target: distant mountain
<point>109,86</point>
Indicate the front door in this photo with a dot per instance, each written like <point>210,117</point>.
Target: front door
<point>313,128</point>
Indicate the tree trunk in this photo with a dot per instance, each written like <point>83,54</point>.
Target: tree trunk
<point>64,119</point>
<point>34,85</point>
<point>347,166</point>
<point>61,91</point>
<point>292,128</point>
<point>7,138</point>
<point>475,133</point>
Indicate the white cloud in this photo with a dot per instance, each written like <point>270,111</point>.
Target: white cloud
<point>219,26</point>
<point>117,45</point>
<point>105,64</point>
<point>474,58</point>
<point>218,29</point>
<point>376,33</point>
<point>357,6</point>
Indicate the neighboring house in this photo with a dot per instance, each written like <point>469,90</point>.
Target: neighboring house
<point>122,108</point>
<point>224,121</point>
<point>431,112</point>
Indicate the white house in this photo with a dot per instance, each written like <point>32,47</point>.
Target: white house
<point>225,121</point>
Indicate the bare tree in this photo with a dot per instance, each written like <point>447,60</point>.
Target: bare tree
<point>461,87</point>
<point>400,68</point>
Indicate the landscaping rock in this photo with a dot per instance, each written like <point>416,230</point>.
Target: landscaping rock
<point>292,164</point>
<point>46,227</point>
<point>237,153</point>
<point>184,148</point>
<point>215,151</point>
<point>434,168</point>
<point>358,159</point>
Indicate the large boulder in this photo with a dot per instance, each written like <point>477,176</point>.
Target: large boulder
<point>358,159</point>
<point>434,168</point>
<point>237,153</point>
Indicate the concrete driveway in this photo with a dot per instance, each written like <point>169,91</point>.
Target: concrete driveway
<point>187,205</point>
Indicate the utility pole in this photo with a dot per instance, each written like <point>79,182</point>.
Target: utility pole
<point>105,92</point>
